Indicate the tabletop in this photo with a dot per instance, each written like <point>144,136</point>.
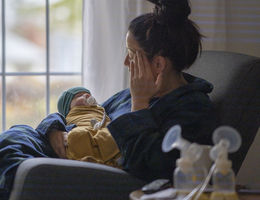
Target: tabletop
<point>136,195</point>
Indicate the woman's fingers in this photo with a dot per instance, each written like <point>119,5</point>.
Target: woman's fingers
<point>144,82</point>
<point>159,82</point>
<point>61,151</point>
<point>65,136</point>
<point>135,66</point>
<point>57,140</point>
<point>132,72</point>
<point>145,67</point>
<point>140,65</point>
<point>142,85</point>
<point>62,145</point>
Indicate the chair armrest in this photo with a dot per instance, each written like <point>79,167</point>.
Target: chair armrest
<point>49,178</point>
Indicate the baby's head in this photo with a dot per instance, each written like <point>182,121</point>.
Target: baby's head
<point>76,96</point>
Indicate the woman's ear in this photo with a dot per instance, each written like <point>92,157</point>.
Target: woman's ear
<point>159,64</point>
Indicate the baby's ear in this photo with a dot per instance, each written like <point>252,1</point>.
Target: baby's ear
<point>160,63</point>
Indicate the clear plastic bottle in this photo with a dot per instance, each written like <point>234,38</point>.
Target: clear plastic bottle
<point>184,175</point>
<point>223,182</point>
<point>223,176</point>
<point>200,176</point>
<point>186,178</point>
<point>193,154</point>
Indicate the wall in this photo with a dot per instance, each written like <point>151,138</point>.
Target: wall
<point>231,25</point>
<point>249,173</point>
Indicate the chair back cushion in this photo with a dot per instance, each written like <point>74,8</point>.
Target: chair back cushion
<point>236,94</point>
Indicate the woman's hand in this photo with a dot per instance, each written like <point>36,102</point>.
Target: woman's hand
<point>143,84</point>
<point>58,141</point>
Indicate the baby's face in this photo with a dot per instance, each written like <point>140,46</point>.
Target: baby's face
<point>80,99</point>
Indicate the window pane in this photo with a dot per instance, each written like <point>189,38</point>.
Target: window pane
<point>25,36</point>
<point>65,35</point>
<point>58,85</point>
<point>25,100</point>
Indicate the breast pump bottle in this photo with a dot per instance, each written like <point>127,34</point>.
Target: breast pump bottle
<point>226,139</point>
<point>186,177</point>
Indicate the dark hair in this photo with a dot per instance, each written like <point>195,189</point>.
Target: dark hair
<point>168,32</point>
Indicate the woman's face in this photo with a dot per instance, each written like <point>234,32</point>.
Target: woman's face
<point>132,47</point>
<point>80,99</point>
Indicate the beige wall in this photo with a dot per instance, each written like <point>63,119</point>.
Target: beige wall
<point>232,25</point>
<point>249,174</point>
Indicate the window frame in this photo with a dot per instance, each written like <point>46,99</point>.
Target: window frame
<point>47,72</point>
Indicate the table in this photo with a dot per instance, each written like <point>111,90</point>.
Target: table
<point>136,195</point>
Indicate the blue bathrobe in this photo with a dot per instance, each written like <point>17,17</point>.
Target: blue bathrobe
<point>138,134</point>
<point>22,142</point>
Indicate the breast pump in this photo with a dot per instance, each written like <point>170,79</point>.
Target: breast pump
<point>192,180</point>
<point>226,139</point>
<point>186,175</point>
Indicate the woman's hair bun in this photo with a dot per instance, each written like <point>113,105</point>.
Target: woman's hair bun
<point>171,11</point>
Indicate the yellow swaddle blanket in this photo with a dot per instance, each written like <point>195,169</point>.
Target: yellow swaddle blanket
<point>87,144</point>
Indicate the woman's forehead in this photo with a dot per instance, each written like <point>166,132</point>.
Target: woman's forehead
<point>131,43</point>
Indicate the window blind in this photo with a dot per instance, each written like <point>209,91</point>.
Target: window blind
<point>231,25</point>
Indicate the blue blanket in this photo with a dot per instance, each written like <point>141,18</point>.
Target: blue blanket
<point>23,142</point>
<point>138,134</point>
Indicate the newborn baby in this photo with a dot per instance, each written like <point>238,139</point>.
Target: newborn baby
<point>90,140</point>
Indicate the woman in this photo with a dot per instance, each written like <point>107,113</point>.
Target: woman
<point>160,46</point>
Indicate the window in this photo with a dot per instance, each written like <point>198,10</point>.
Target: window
<point>40,57</point>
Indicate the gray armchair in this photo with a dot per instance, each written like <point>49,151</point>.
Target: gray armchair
<point>236,94</point>
<point>236,78</point>
<point>60,179</point>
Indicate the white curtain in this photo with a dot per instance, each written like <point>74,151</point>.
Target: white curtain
<point>104,30</point>
<point>228,25</point>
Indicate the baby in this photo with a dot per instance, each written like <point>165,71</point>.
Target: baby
<point>90,140</point>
